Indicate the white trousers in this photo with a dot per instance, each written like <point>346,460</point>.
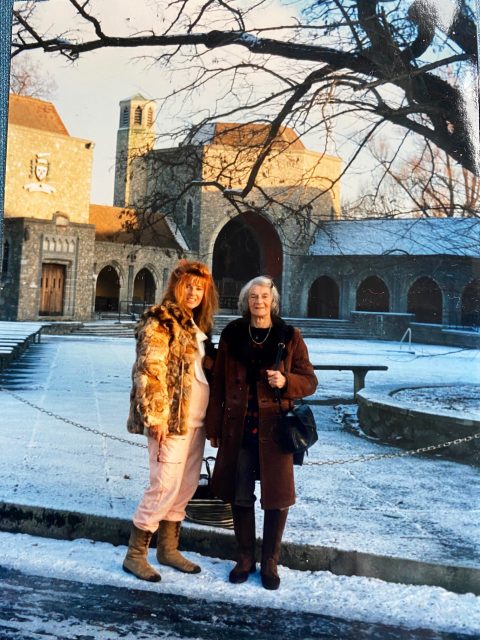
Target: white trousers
<point>174,475</point>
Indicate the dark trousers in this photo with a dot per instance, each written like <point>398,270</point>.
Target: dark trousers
<point>248,471</point>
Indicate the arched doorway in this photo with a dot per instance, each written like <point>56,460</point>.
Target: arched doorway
<point>323,299</point>
<point>425,301</point>
<point>471,304</point>
<point>373,295</point>
<point>246,247</point>
<point>107,290</point>
<point>143,290</point>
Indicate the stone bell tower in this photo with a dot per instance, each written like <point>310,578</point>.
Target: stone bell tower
<point>135,137</point>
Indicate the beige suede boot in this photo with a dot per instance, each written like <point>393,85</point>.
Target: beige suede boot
<point>136,559</point>
<point>167,548</point>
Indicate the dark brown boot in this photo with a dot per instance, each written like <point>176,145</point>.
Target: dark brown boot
<point>273,527</point>
<point>136,559</point>
<point>244,527</point>
<point>168,536</point>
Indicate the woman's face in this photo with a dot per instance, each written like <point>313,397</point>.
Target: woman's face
<point>260,301</point>
<point>193,293</point>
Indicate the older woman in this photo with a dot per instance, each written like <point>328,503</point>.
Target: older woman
<point>169,399</point>
<point>242,419</point>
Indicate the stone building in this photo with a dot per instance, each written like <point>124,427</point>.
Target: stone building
<point>296,189</point>
<point>65,258</point>
<point>48,242</point>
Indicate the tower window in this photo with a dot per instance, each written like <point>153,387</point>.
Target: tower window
<point>189,217</point>
<point>150,117</point>
<point>138,115</point>
<point>124,117</point>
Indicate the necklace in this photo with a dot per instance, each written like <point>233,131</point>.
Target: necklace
<point>258,341</point>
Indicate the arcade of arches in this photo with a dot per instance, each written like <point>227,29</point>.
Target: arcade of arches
<point>246,246</point>
<point>107,291</point>
<point>424,299</point>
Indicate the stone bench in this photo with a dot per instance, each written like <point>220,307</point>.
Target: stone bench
<point>359,372</point>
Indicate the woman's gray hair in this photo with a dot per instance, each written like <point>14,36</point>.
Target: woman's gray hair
<point>260,281</point>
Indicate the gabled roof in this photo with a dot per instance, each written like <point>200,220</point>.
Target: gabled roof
<point>35,114</point>
<point>109,221</point>
<point>413,236</point>
<point>245,135</point>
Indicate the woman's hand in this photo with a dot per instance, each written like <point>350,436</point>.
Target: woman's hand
<point>276,379</point>
<point>215,442</point>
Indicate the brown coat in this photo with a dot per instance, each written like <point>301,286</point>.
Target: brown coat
<point>228,405</point>
<point>163,371</point>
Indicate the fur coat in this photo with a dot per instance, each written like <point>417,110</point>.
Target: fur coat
<point>228,405</point>
<point>163,371</point>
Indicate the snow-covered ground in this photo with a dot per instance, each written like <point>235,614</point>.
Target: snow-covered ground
<point>351,598</point>
<point>462,399</point>
<point>417,508</point>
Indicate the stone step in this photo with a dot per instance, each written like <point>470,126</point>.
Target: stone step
<point>310,328</point>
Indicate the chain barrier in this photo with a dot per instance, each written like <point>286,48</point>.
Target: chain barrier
<point>97,432</point>
<point>369,457</point>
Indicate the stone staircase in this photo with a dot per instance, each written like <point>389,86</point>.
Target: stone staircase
<point>310,328</point>
<point>106,330</point>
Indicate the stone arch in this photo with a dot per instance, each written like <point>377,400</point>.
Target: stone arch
<point>425,300</point>
<point>323,298</point>
<point>246,246</point>
<point>107,290</point>
<point>470,304</point>
<point>144,289</point>
<point>372,295</point>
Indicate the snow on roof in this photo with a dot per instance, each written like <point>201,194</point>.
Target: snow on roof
<point>414,236</point>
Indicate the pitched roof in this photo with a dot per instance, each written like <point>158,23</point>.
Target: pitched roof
<point>414,236</point>
<point>35,114</point>
<point>245,135</point>
<point>109,221</point>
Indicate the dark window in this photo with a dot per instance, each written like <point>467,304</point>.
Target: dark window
<point>125,117</point>
<point>150,117</point>
<point>189,213</point>
<point>425,301</point>
<point>323,298</point>
<point>373,295</point>
<point>471,304</point>
<point>6,256</point>
<point>138,115</point>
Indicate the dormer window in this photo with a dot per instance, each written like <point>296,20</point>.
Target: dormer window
<point>138,115</point>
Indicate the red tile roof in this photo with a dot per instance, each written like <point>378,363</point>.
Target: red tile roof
<point>253,134</point>
<point>35,113</point>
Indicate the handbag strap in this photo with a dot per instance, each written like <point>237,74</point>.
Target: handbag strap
<point>207,466</point>
<point>280,348</point>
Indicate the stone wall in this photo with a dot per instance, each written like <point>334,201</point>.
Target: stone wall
<point>66,187</point>
<point>128,260</point>
<point>42,242</point>
<point>451,273</point>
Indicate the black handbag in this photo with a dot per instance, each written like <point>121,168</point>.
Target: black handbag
<point>204,507</point>
<point>297,430</point>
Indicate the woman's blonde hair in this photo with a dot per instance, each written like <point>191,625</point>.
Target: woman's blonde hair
<point>195,272</point>
<point>260,281</point>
